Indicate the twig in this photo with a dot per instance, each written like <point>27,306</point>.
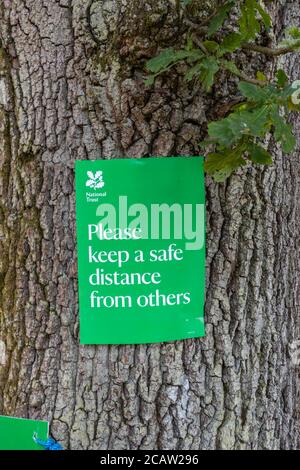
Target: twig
<point>224,108</point>
<point>243,76</point>
<point>255,81</point>
<point>196,27</point>
<point>199,43</point>
<point>268,50</point>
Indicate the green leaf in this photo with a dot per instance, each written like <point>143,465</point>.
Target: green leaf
<point>249,25</point>
<point>261,76</point>
<point>230,66</point>
<point>194,54</point>
<point>291,43</point>
<point>229,130</point>
<point>221,164</point>
<point>150,80</point>
<point>209,67</point>
<point>205,143</point>
<point>282,131</point>
<point>264,15</point>
<point>218,19</point>
<point>253,92</point>
<point>288,140</point>
<point>231,42</point>
<point>221,132</point>
<point>286,92</point>
<point>211,46</point>
<point>206,70</point>
<point>292,38</point>
<point>254,122</point>
<point>189,43</point>
<point>258,154</point>
<point>282,78</point>
<point>166,58</point>
<point>195,70</point>
<point>294,32</point>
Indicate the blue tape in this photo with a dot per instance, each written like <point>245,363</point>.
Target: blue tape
<point>49,444</point>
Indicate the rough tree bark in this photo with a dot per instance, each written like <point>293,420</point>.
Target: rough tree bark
<point>71,87</point>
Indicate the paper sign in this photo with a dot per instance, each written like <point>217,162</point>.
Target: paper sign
<point>17,433</point>
<point>141,249</point>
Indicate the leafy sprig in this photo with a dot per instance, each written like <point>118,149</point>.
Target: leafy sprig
<point>238,138</point>
<point>265,104</point>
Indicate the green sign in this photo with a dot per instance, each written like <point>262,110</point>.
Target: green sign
<point>141,249</point>
<point>18,433</point>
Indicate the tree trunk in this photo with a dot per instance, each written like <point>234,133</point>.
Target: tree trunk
<point>71,87</point>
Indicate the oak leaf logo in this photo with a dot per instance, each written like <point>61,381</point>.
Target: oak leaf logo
<point>95,181</point>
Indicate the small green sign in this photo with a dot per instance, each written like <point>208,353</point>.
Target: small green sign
<point>18,433</point>
<point>141,249</point>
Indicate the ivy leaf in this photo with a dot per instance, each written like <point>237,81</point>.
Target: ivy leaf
<point>258,154</point>
<point>218,19</point>
<point>231,42</point>
<point>209,67</point>
<point>281,77</point>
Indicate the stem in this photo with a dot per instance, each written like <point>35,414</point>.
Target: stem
<point>196,27</point>
<point>199,43</point>
<point>268,50</point>
<point>255,81</point>
<point>245,77</point>
<point>203,26</point>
